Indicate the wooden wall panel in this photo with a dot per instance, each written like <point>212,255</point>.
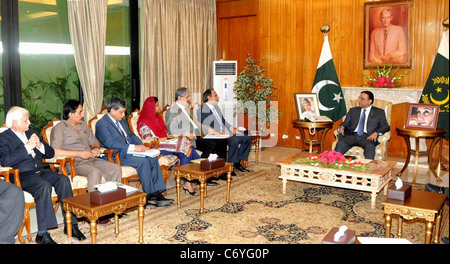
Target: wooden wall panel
<point>288,38</point>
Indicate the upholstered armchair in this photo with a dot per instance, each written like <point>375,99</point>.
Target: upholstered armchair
<point>6,174</point>
<point>381,149</point>
<point>79,182</point>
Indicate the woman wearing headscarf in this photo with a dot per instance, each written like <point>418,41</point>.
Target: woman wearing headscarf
<point>151,125</point>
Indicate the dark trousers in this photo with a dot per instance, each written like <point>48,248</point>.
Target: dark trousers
<point>347,141</point>
<point>39,185</point>
<point>239,148</point>
<point>149,173</point>
<point>209,146</point>
<point>12,206</point>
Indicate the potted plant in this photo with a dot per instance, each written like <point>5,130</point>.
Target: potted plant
<point>254,93</point>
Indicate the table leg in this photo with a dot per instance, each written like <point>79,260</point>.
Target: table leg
<point>69,226</point>
<point>324,132</point>
<point>178,183</point>
<point>284,186</point>
<point>202,196</point>
<point>257,150</point>
<point>416,162</point>
<point>229,184</point>
<point>93,231</point>
<point>435,170</point>
<point>408,155</point>
<point>400,226</point>
<point>116,222</point>
<point>437,228</point>
<point>141,223</point>
<point>302,134</point>
<point>387,225</point>
<point>428,232</point>
<point>373,200</point>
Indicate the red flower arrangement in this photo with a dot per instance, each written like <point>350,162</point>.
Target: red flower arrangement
<point>384,78</point>
<point>333,159</point>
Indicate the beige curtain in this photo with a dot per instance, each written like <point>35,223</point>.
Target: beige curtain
<point>179,44</point>
<point>87,25</point>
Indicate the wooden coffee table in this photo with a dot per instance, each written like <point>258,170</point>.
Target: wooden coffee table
<point>192,171</point>
<point>81,206</point>
<point>372,181</point>
<point>422,205</point>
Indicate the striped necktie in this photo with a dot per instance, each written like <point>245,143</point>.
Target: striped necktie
<point>362,120</point>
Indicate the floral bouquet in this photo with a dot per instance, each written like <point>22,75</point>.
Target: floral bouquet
<point>333,159</point>
<point>384,78</point>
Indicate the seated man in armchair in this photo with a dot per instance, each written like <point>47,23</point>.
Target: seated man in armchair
<point>362,126</point>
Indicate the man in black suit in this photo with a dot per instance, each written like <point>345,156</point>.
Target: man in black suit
<point>23,149</point>
<point>212,118</point>
<point>362,126</point>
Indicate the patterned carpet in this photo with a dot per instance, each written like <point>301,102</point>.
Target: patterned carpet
<point>258,214</point>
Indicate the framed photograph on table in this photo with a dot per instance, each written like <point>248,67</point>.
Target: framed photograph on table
<point>388,38</point>
<point>307,104</point>
<point>423,116</point>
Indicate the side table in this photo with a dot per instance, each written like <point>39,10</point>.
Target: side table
<point>316,126</point>
<point>192,171</point>
<point>422,205</point>
<point>436,135</point>
<point>81,206</point>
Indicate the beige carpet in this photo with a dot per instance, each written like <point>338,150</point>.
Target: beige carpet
<point>258,214</point>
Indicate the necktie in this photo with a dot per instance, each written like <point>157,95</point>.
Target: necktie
<point>361,123</point>
<point>384,41</point>
<point>120,130</point>
<point>24,139</point>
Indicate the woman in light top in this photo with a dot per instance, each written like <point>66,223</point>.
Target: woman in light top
<point>151,125</point>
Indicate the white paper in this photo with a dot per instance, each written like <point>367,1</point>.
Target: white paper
<point>340,233</point>
<point>378,240</point>
<point>398,183</point>
<point>106,187</point>
<point>212,157</point>
<point>149,153</point>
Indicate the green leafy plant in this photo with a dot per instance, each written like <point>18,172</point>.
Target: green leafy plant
<point>252,86</point>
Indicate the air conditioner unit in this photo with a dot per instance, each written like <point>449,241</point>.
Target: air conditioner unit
<point>224,76</point>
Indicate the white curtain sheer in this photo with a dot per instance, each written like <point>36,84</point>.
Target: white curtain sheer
<point>179,43</point>
<point>87,25</point>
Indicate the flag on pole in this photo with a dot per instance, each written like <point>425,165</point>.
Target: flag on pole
<point>327,87</point>
<point>436,87</point>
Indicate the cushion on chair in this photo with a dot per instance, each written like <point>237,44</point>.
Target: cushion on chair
<point>167,160</point>
<point>128,171</point>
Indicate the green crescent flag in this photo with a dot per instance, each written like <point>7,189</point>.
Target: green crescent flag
<point>327,87</point>
<point>436,87</point>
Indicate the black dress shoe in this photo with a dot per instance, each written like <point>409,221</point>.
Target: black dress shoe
<point>45,239</point>
<point>158,200</point>
<point>76,233</point>
<point>238,166</point>
<point>437,189</point>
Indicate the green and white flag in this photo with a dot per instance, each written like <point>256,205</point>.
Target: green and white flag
<point>436,87</point>
<point>326,85</point>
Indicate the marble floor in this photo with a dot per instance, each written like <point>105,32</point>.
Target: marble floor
<point>275,154</point>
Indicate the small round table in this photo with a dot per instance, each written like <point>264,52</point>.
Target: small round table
<point>436,135</point>
<point>315,126</point>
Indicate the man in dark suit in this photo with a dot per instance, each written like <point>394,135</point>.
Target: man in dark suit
<point>112,132</point>
<point>362,126</point>
<point>23,149</point>
<point>212,118</point>
<point>12,207</point>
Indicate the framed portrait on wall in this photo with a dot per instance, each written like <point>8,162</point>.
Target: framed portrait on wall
<point>424,116</point>
<point>388,38</point>
<point>307,105</point>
